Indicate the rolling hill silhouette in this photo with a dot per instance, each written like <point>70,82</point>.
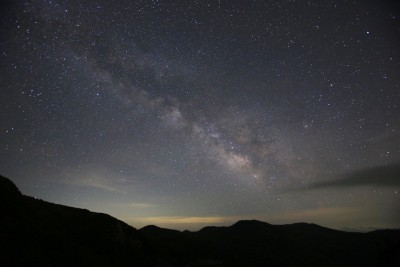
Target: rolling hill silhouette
<point>38,233</point>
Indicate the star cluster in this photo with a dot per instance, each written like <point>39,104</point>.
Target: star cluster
<point>188,113</point>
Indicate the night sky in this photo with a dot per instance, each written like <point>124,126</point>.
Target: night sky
<point>191,113</point>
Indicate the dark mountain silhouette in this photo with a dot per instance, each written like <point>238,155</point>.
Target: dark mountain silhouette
<point>255,243</point>
<point>37,233</point>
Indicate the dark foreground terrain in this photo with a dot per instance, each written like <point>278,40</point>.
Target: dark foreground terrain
<point>38,233</point>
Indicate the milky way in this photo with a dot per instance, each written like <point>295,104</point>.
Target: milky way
<point>191,113</point>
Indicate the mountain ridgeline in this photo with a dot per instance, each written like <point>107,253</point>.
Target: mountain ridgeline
<point>38,233</point>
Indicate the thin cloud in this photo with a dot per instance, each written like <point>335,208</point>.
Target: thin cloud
<point>387,175</point>
<point>181,220</point>
<point>139,205</point>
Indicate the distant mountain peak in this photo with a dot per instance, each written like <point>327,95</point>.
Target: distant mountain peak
<point>150,227</point>
<point>157,229</point>
<point>250,223</point>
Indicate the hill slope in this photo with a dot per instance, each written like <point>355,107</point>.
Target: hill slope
<point>38,233</point>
